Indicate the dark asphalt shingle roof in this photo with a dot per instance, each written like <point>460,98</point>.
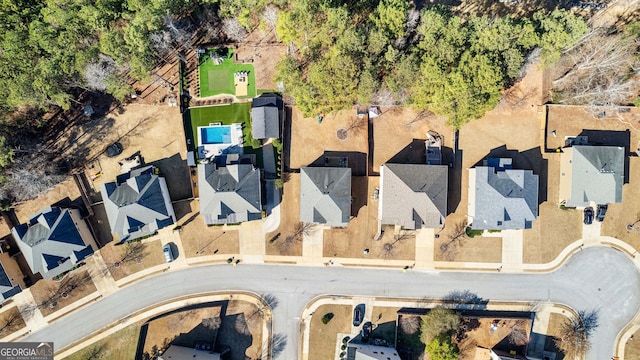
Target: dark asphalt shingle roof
<point>229,194</point>
<point>137,204</point>
<point>265,117</point>
<point>51,242</point>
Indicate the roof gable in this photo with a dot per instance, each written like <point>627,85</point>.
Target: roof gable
<point>46,248</point>
<point>325,195</point>
<point>137,204</point>
<point>506,199</point>
<point>229,194</point>
<point>414,195</point>
<point>597,174</point>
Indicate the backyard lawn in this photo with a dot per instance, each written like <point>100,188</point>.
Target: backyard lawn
<point>227,115</point>
<point>218,79</point>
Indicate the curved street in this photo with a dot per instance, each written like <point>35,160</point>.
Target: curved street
<point>597,278</point>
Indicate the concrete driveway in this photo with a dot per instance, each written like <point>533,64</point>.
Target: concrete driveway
<point>597,278</point>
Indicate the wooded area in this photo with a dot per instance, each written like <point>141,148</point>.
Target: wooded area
<point>384,52</point>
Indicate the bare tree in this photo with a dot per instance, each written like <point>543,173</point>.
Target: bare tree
<point>31,176</point>
<point>233,29</point>
<point>212,322</point>
<point>97,73</point>
<point>66,287</point>
<point>384,97</point>
<point>600,70</point>
<point>575,334</point>
<point>301,229</point>
<point>11,321</point>
<point>270,17</point>
<point>518,335</point>
<point>388,249</point>
<point>454,239</point>
<point>241,325</point>
<point>410,324</point>
<point>133,250</point>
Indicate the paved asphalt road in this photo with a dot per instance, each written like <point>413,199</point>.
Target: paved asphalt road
<point>595,278</point>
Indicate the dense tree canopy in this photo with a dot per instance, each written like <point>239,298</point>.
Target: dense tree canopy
<point>430,59</point>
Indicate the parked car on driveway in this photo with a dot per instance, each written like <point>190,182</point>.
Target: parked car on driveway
<point>602,211</point>
<point>114,149</point>
<point>168,254</point>
<point>588,215</point>
<point>358,314</point>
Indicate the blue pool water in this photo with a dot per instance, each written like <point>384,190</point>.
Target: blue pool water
<point>215,135</point>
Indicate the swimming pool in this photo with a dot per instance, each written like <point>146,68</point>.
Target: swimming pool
<point>215,135</point>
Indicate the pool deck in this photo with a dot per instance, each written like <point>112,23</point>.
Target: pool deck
<point>233,147</point>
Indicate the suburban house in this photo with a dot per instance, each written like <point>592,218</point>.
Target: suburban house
<point>370,352</point>
<point>137,204</point>
<point>54,241</point>
<point>413,196</point>
<point>11,277</point>
<point>267,112</point>
<point>229,194</point>
<point>325,195</point>
<point>500,197</point>
<point>591,175</point>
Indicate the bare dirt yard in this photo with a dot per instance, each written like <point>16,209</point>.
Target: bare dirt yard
<point>619,216</point>
<point>310,139</point>
<point>555,228</point>
<point>66,190</point>
<point>632,347</point>
<point>453,244</point>
<point>132,257</point>
<point>396,129</point>
<point>241,330</point>
<point>351,242</point>
<point>479,333</point>
<point>289,218</point>
<point>182,327</point>
<point>323,337</point>
<point>52,296</point>
<point>11,321</point>
<point>199,239</point>
<point>154,132</point>
<point>264,52</point>
<point>384,323</point>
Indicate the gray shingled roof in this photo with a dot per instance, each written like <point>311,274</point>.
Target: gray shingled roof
<point>413,195</point>
<point>597,175</point>
<point>229,194</point>
<point>138,204</point>
<point>265,117</point>
<point>51,242</point>
<point>505,199</point>
<point>325,195</point>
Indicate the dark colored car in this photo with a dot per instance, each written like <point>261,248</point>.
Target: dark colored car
<point>602,211</point>
<point>358,314</point>
<point>366,331</point>
<point>588,215</point>
<point>114,149</point>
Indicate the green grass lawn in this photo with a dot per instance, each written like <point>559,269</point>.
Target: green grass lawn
<point>218,79</point>
<point>121,345</point>
<point>227,115</point>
